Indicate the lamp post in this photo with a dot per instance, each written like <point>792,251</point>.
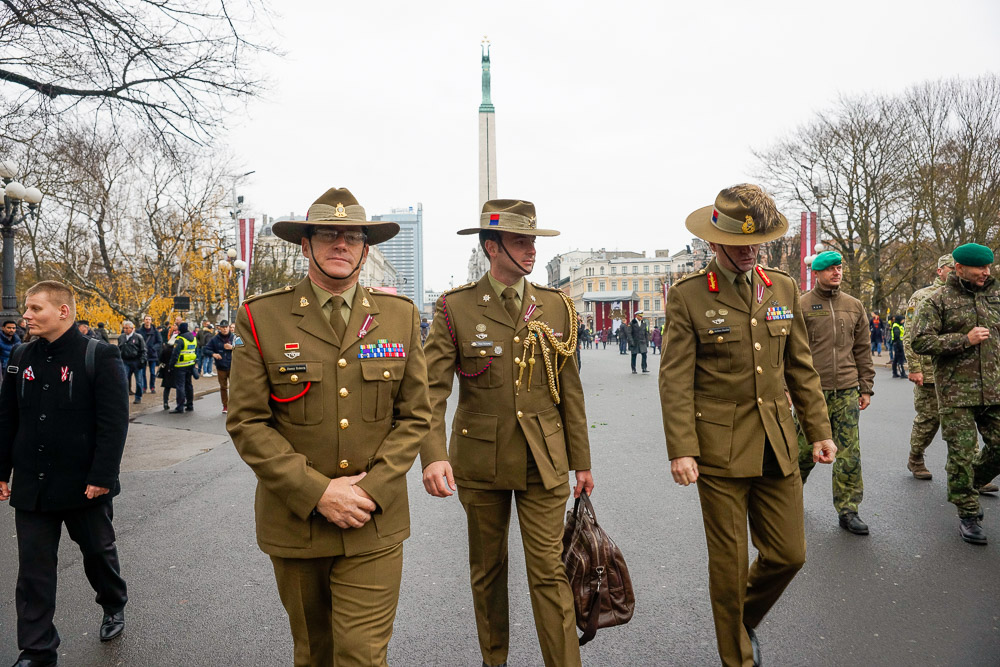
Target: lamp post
<point>228,265</point>
<point>12,213</point>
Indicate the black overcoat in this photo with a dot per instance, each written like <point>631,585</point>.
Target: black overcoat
<point>59,431</point>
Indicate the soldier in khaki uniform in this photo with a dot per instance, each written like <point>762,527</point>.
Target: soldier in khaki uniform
<point>736,338</point>
<point>328,406</point>
<point>520,427</point>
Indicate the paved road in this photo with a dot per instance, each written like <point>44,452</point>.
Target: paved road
<point>201,592</point>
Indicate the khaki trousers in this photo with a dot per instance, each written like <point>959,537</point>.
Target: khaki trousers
<point>742,594</point>
<point>341,608</point>
<point>540,513</point>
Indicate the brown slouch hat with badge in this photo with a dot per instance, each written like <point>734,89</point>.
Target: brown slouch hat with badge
<point>337,207</point>
<point>509,215</point>
<point>742,215</point>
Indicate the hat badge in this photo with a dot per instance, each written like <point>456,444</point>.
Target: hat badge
<point>531,222</point>
<point>340,211</point>
<point>748,226</point>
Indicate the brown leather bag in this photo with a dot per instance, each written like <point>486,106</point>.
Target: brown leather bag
<point>597,573</point>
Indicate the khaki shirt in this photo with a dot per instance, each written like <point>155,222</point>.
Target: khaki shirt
<point>304,410</point>
<point>722,385</point>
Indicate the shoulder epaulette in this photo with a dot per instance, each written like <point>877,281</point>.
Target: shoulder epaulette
<point>547,288</point>
<point>373,290</point>
<point>275,292</point>
<point>774,269</point>
<point>460,288</point>
<point>688,277</point>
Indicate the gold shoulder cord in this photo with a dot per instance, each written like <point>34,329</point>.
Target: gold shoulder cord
<point>538,334</point>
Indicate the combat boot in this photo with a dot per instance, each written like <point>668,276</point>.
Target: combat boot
<point>971,531</point>
<point>917,467</point>
<point>852,522</point>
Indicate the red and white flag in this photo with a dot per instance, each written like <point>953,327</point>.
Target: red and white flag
<point>29,374</point>
<point>245,249</point>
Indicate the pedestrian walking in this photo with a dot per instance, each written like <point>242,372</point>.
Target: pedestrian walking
<point>102,333</point>
<point>154,343</point>
<point>840,342</point>
<point>204,360</point>
<point>8,341</point>
<point>897,333</point>
<point>329,406</point>
<point>876,331</point>
<point>503,336</point>
<point>64,410</point>
<point>655,339</point>
<point>165,371</point>
<point>183,363</point>
<point>959,325</point>
<point>725,416</point>
<point>220,348</point>
<point>638,339</point>
<point>133,351</point>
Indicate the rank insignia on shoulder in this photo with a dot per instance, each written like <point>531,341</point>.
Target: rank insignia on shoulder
<point>303,302</point>
<point>713,282</point>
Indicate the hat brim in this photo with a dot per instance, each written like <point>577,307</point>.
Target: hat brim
<point>700,224</point>
<point>294,231</point>
<point>501,228</point>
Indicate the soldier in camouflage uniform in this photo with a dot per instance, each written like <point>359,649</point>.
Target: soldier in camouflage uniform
<point>959,324</point>
<point>840,343</point>
<point>925,424</point>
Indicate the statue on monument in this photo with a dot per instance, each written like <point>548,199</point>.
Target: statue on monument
<point>486,72</point>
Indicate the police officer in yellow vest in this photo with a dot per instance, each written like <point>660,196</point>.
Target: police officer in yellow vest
<point>183,364</point>
<point>737,338</point>
<point>328,406</point>
<point>520,427</point>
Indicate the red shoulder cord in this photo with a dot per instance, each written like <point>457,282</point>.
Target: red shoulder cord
<point>451,332</point>
<point>253,330</point>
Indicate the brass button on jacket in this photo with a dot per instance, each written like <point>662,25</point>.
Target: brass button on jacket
<point>294,377</point>
<point>386,374</point>
<point>342,363</point>
<point>344,423</point>
<point>343,392</point>
<point>344,464</point>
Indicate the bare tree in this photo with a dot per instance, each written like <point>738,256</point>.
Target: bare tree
<point>172,66</point>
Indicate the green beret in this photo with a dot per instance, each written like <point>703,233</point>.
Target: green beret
<point>825,260</point>
<point>973,254</point>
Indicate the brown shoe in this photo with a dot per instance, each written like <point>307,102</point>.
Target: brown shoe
<point>988,488</point>
<point>917,467</point>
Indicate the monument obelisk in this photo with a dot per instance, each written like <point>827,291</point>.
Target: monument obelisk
<point>487,160</point>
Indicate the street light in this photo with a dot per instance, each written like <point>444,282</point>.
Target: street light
<point>228,265</point>
<point>12,213</point>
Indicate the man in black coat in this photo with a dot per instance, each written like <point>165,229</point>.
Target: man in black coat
<point>132,348</point>
<point>638,339</point>
<point>220,348</point>
<point>154,342</point>
<point>61,474</point>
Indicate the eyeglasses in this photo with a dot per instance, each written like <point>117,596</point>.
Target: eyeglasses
<point>332,235</point>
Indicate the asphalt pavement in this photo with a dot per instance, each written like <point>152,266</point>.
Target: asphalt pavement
<point>201,592</point>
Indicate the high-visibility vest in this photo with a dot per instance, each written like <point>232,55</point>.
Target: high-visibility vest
<point>187,356</point>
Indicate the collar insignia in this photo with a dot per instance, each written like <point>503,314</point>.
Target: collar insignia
<point>486,297</point>
<point>303,302</point>
<point>364,302</point>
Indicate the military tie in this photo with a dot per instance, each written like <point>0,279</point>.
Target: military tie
<point>509,298</point>
<point>743,287</point>
<point>337,320</point>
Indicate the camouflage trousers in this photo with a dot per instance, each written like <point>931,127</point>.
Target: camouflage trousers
<point>925,424</point>
<point>848,486</point>
<point>966,469</point>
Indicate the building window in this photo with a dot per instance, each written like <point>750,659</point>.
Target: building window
<point>656,268</point>
<point>590,285</point>
<point>590,270</point>
<point>645,285</point>
<point>614,285</point>
<point>602,270</point>
<point>645,304</point>
<point>645,268</point>
<point>614,270</point>
<point>656,304</point>
<point>600,286</point>
<point>635,268</point>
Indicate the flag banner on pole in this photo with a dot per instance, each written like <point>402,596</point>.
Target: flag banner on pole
<point>245,244</point>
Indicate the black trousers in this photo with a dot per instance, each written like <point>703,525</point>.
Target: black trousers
<point>38,554</point>
<point>184,384</point>
<point>643,360</point>
<point>898,360</point>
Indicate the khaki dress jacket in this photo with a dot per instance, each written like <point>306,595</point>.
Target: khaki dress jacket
<point>305,409</point>
<point>723,384</point>
<point>496,420</point>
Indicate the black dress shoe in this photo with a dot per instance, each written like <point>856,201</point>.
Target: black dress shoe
<point>971,531</point>
<point>852,522</point>
<point>757,659</point>
<point>112,626</point>
<point>177,411</point>
<point>28,662</point>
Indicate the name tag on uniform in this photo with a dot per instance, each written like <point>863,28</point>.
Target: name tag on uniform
<point>481,343</point>
<point>292,368</point>
<point>718,330</point>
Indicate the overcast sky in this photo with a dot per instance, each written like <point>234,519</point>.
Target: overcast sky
<point>616,119</point>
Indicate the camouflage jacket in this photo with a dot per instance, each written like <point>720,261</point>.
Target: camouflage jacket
<point>918,363</point>
<point>966,374</point>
